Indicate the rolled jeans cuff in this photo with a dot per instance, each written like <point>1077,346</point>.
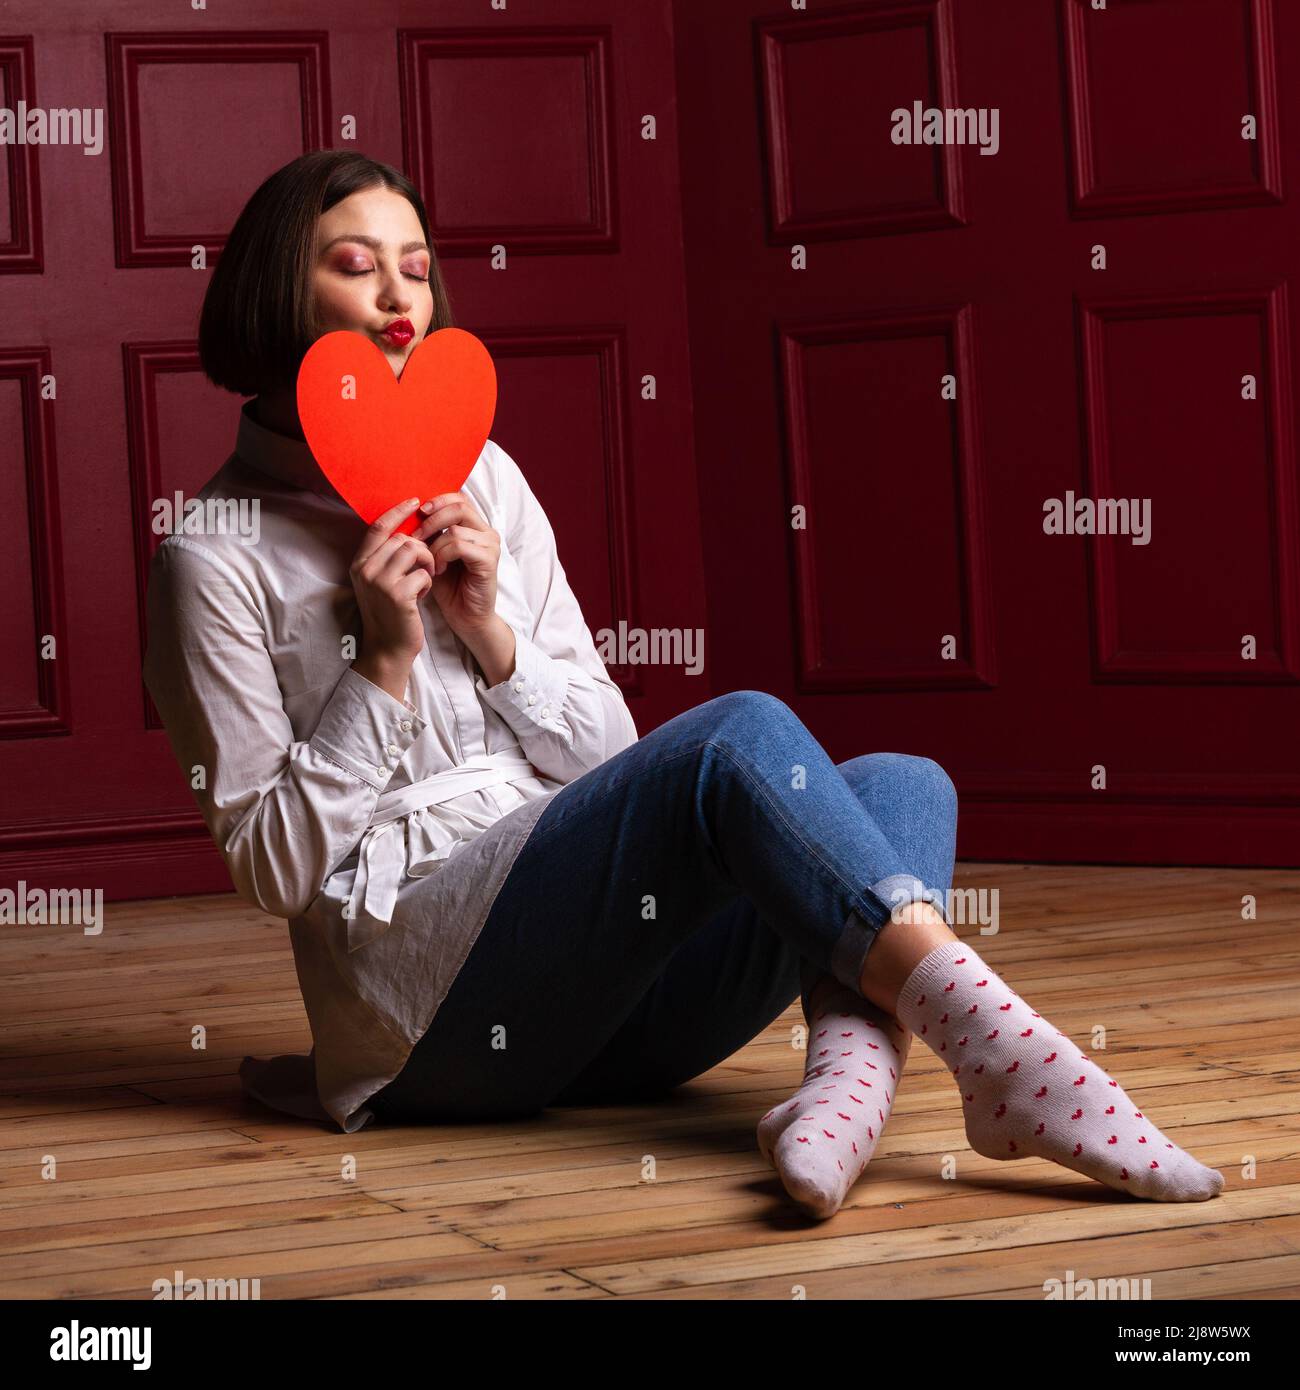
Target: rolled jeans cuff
<point>850,954</point>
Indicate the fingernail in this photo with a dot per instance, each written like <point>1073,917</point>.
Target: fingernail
<point>428,506</point>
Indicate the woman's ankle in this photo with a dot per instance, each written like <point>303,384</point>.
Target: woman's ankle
<point>911,933</point>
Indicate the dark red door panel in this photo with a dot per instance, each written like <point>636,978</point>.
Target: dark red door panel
<point>1095,697</point>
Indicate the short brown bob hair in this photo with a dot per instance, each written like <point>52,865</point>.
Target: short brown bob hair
<point>257,318</point>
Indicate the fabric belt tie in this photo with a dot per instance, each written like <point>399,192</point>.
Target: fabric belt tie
<point>386,855</point>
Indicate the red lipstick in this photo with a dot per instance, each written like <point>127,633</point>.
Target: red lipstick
<point>399,332</point>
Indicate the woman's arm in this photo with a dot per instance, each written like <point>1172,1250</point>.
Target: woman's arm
<point>567,713</point>
<point>283,813</point>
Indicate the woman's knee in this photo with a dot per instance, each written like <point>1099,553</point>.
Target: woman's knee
<point>750,704</point>
<point>728,734</point>
<point>736,718</point>
<point>908,774</point>
<point>934,777</point>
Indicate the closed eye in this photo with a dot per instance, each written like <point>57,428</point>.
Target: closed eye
<point>423,279</point>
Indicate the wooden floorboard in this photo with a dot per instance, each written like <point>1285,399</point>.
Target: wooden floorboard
<point>161,1164</point>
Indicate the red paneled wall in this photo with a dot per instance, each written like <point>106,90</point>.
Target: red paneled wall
<point>523,132</point>
<point>922,607</point>
<point>703,337</point>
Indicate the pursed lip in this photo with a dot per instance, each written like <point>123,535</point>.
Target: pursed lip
<point>399,332</point>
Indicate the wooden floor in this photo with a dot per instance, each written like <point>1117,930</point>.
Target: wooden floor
<point>162,1165</point>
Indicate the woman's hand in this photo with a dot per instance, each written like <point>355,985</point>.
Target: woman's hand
<point>390,575</point>
<point>465,557</point>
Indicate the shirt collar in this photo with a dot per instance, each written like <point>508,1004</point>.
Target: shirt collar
<point>290,460</point>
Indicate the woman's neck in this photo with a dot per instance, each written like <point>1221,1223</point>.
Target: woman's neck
<point>278,411</point>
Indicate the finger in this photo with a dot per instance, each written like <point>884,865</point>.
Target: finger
<point>445,499</point>
<point>461,533</point>
<point>383,527</point>
<point>446,553</point>
<point>414,586</point>
<point>399,556</point>
<point>446,512</point>
<point>470,547</point>
<point>389,554</point>
<point>447,544</point>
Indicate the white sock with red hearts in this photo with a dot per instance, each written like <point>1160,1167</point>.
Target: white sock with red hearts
<point>1028,1091</point>
<point>820,1140</point>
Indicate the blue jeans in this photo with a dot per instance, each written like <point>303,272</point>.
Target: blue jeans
<point>669,904</point>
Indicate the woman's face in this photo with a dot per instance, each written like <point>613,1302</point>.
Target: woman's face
<point>372,271</point>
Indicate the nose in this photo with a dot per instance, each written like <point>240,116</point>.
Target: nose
<point>394,294</point>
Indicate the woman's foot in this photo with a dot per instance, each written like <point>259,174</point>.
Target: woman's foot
<point>1028,1091</point>
<point>820,1140</point>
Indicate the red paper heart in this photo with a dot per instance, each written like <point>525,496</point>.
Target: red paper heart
<point>380,440</point>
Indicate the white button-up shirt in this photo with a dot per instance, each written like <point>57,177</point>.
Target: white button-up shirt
<point>382,829</point>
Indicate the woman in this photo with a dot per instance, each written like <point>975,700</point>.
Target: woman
<point>500,898</point>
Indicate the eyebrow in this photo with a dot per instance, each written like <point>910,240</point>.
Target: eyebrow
<point>375,244</point>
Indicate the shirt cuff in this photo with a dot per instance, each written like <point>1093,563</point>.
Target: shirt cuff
<point>365,730</point>
<point>533,697</point>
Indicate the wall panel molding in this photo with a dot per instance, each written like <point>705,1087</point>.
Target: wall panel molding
<point>607,345</point>
<point>1279,664</point>
<point>49,714</point>
<point>976,667</point>
<point>128,54</point>
<point>142,365</point>
<point>23,253</point>
<point>593,228</point>
<point>858,216</point>
<point>1092,197</point>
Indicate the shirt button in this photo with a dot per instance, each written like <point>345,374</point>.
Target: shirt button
<point>406,726</point>
<point>519,685</point>
<point>532,699</point>
<point>546,710</point>
<point>393,751</point>
<point>382,770</point>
